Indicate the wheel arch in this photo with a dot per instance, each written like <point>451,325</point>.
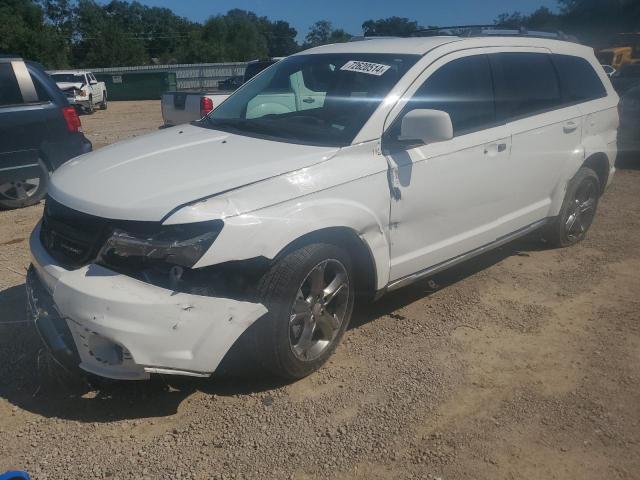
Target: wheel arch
<point>42,155</point>
<point>364,264</point>
<point>599,163</point>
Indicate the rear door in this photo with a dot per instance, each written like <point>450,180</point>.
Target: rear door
<point>545,131</point>
<point>22,125</point>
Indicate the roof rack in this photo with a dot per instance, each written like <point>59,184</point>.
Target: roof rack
<point>484,31</point>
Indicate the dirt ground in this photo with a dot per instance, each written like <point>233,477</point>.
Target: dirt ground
<point>521,364</point>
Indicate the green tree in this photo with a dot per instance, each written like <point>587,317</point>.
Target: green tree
<point>319,34</point>
<point>596,21</point>
<point>339,36</point>
<point>23,32</point>
<point>322,32</point>
<point>281,38</point>
<point>542,18</point>
<point>244,40</point>
<point>108,36</point>
<point>392,26</point>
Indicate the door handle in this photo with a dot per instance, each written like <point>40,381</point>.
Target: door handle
<point>570,127</point>
<point>308,100</point>
<point>495,148</point>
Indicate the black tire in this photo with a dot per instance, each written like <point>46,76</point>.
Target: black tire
<point>91,107</point>
<point>278,290</point>
<point>103,105</point>
<point>12,199</point>
<point>573,221</point>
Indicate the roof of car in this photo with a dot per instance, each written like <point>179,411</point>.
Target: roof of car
<point>422,45</point>
<point>417,45</point>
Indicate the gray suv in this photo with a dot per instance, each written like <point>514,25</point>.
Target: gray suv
<point>39,131</point>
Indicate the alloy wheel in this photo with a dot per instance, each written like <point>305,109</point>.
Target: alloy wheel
<point>319,310</point>
<point>19,189</point>
<point>581,211</point>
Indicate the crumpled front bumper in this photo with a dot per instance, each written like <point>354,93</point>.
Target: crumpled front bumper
<point>124,328</point>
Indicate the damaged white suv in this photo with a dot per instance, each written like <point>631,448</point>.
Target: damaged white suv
<point>348,168</point>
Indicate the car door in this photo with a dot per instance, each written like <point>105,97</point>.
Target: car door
<point>279,97</point>
<point>450,197</point>
<point>308,98</point>
<point>21,125</point>
<point>545,131</point>
<point>96,88</point>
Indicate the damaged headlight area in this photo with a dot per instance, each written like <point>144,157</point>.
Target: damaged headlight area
<point>180,245</point>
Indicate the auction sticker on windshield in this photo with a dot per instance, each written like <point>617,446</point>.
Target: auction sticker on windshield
<point>365,67</point>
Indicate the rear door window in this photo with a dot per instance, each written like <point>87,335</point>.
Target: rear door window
<point>578,81</point>
<point>525,84</point>
<point>9,89</point>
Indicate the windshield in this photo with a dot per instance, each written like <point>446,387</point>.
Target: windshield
<point>320,99</point>
<point>68,77</point>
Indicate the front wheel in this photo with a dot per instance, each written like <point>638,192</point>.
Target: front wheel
<point>578,210</point>
<point>309,293</point>
<point>24,192</point>
<point>103,105</point>
<point>90,106</point>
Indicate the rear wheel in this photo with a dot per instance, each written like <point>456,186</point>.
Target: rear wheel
<point>25,192</point>
<point>103,105</point>
<point>309,294</point>
<point>578,210</point>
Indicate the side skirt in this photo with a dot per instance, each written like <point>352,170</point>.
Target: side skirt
<point>427,272</point>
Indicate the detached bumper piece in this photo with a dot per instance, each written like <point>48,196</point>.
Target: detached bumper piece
<point>116,326</point>
<point>52,328</point>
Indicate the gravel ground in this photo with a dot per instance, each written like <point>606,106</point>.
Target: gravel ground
<point>521,364</point>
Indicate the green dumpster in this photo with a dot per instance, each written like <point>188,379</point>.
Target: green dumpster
<point>137,85</point>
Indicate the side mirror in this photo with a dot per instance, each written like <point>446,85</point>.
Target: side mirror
<point>426,126</point>
<point>93,82</point>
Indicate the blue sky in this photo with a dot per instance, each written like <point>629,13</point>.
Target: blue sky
<point>349,14</point>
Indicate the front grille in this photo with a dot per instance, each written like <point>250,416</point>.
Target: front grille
<point>71,237</point>
<point>74,238</point>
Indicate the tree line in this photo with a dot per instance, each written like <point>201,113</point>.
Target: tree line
<point>84,33</point>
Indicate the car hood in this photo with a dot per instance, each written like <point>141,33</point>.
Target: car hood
<point>69,85</point>
<point>147,177</point>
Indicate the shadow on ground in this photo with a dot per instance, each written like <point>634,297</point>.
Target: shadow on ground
<point>30,379</point>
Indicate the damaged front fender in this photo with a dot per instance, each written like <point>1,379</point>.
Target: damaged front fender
<point>348,191</point>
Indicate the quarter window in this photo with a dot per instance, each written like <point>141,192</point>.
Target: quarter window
<point>525,84</point>
<point>578,81</point>
<point>9,89</point>
<point>464,89</point>
<point>43,96</point>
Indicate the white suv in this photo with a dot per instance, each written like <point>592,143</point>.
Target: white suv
<point>349,168</point>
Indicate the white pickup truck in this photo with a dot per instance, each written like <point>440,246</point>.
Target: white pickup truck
<point>187,106</point>
<point>81,89</point>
